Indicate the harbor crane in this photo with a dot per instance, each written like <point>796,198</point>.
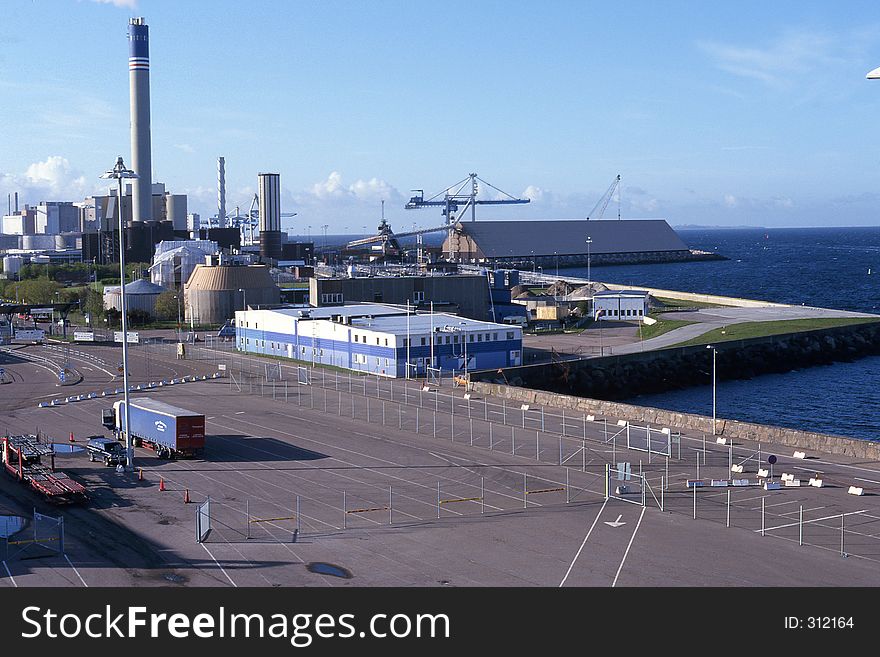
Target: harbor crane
<point>463,197</point>
<point>605,199</point>
<point>460,197</point>
<point>245,223</point>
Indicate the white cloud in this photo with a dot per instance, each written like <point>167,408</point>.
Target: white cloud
<point>794,54</point>
<point>730,200</point>
<point>533,193</point>
<point>372,189</point>
<point>130,4</point>
<point>330,187</point>
<point>53,179</point>
<point>186,148</point>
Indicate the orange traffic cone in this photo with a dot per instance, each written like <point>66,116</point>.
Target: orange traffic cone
<point>71,437</point>
<point>186,496</point>
<point>161,484</point>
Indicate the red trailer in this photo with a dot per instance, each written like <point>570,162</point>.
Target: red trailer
<point>25,458</point>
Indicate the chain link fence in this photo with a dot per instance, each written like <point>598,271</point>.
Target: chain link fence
<point>688,475</point>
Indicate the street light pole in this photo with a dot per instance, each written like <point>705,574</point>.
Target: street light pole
<point>714,353</point>
<point>178,317</point>
<point>589,280</point>
<point>119,172</point>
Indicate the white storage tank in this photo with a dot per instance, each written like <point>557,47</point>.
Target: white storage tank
<point>12,265</point>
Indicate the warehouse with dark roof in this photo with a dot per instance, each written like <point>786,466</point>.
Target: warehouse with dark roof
<point>548,243</point>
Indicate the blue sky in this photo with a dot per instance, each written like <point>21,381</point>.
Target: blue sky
<point>731,113</point>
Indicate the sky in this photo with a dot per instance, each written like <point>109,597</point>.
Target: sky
<point>732,113</point>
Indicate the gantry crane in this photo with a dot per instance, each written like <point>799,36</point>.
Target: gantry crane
<point>451,202</point>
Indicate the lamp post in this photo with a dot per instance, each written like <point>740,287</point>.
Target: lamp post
<point>243,298</point>
<point>408,340</point>
<point>557,263</point>
<point>714,353</point>
<point>589,280</point>
<point>119,173</point>
<point>177,298</point>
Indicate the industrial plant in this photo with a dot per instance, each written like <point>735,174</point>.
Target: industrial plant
<point>244,259</point>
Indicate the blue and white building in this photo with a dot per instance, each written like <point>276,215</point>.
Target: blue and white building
<point>379,339</point>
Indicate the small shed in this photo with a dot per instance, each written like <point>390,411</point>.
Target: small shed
<point>620,305</point>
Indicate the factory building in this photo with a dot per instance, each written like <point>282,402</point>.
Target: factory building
<point>466,295</point>
<point>53,217</point>
<point>20,222</point>
<point>379,339</point>
<point>215,291</point>
<point>548,244</point>
<point>620,305</point>
<point>175,260</point>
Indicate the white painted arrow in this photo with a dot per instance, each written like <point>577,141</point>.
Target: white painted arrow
<point>616,523</point>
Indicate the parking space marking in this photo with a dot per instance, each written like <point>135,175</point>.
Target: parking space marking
<point>868,480</point>
<point>12,579</point>
<point>815,508</point>
<point>632,538</point>
<point>222,570</point>
<point>76,571</point>
<point>598,515</point>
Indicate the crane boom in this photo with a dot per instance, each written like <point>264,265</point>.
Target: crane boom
<point>604,200</point>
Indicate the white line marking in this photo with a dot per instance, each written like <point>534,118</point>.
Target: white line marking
<point>568,572</point>
<point>218,565</point>
<point>869,480</point>
<point>10,575</point>
<point>631,539</point>
<point>817,508</point>
<point>806,522</point>
<point>240,412</point>
<point>76,571</point>
<point>782,503</point>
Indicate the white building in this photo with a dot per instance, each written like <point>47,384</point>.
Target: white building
<point>620,305</point>
<point>175,261</point>
<point>379,339</point>
<point>55,217</point>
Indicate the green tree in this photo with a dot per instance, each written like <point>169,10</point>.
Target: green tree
<point>167,305</point>
<point>93,303</point>
<point>38,290</point>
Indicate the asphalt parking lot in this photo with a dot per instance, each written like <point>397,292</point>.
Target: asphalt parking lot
<point>340,482</point>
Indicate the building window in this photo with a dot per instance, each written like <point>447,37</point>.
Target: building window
<point>495,337</point>
<point>386,344</point>
<point>335,297</point>
<point>423,342</point>
<point>418,296</point>
<point>377,341</point>
<point>355,337</point>
<point>510,335</point>
<point>471,337</point>
<point>479,337</point>
<point>406,342</point>
<point>447,339</point>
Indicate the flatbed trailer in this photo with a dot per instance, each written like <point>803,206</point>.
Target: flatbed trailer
<point>24,458</point>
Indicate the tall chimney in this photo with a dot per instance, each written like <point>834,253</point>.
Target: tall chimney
<point>221,192</point>
<point>139,95</point>
<point>16,202</point>
<point>270,215</point>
